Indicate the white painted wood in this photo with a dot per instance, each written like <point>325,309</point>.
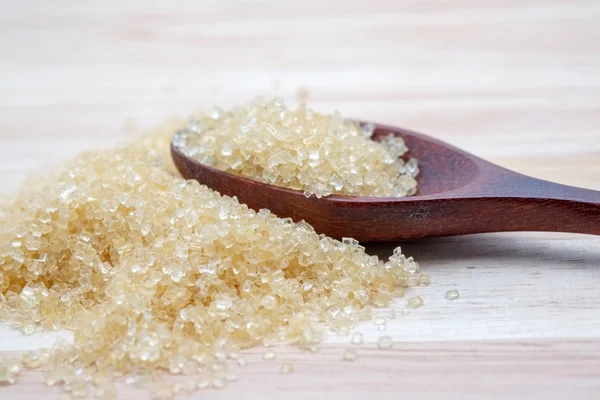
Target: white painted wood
<point>515,82</point>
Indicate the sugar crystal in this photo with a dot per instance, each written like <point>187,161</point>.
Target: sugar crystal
<point>287,368</point>
<point>328,154</point>
<point>384,342</point>
<point>350,355</point>
<point>155,273</point>
<point>357,338</point>
<point>415,302</point>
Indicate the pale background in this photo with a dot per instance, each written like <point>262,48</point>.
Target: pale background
<point>514,81</point>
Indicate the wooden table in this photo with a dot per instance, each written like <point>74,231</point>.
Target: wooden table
<point>515,82</point>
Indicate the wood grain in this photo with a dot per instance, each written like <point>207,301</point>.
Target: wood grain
<point>511,81</point>
<point>523,369</point>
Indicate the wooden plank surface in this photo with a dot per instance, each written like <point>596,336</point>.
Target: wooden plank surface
<point>515,82</point>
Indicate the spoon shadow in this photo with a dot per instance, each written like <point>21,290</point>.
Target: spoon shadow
<point>515,248</point>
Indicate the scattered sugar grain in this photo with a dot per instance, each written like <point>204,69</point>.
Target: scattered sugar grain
<point>357,338</point>
<point>415,302</point>
<point>287,368</point>
<point>350,355</point>
<point>384,342</point>
<point>452,294</point>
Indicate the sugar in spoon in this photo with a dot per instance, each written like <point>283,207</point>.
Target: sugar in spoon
<point>458,193</point>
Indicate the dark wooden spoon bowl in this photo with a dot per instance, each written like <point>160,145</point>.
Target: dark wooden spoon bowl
<point>458,194</point>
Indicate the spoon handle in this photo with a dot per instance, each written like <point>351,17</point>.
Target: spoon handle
<point>513,202</point>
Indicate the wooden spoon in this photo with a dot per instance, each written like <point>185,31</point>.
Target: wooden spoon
<point>458,194</point>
